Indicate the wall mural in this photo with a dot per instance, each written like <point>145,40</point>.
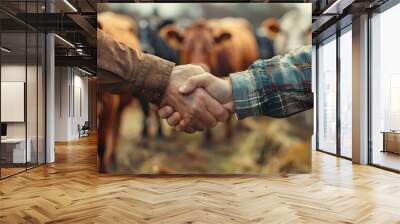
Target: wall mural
<point>222,39</point>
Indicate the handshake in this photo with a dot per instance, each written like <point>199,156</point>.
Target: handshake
<point>196,100</point>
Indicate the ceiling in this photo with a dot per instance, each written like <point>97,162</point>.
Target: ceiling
<point>72,20</point>
<point>330,15</point>
<point>77,24</point>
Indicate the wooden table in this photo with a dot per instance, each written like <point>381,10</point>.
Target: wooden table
<point>391,141</point>
<point>13,150</point>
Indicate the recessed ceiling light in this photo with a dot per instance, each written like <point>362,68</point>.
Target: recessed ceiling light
<point>84,71</point>
<point>70,5</point>
<point>337,7</point>
<point>5,50</point>
<point>65,41</point>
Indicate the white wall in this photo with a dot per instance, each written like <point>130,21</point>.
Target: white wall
<point>33,127</point>
<point>61,103</point>
<point>71,94</point>
<point>12,73</point>
<point>80,97</point>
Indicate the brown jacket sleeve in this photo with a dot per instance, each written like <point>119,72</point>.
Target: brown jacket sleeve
<point>122,70</point>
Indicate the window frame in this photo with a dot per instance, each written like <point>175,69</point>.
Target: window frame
<point>334,37</point>
<point>381,9</point>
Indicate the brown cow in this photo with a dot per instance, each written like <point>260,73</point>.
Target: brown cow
<point>123,29</point>
<point>221,46</point>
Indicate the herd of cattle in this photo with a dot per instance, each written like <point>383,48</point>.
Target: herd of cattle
<point>220,46</point>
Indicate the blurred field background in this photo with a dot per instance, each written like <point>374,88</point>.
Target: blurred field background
<point>258,144</point>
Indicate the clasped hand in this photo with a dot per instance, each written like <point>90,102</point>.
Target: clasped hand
<point>196,100</point>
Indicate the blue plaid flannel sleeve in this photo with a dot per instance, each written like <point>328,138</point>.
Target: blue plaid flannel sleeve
<point>277,87</point>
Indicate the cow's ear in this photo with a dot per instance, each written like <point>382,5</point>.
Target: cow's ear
<point>132,30</point>
<point>224,36</point>
<point>275,28</point>
<point>172,35</point>
<point>99,25</point>
<point>272,27</point>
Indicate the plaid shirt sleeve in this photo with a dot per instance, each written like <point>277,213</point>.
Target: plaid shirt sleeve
<point>277,87</point>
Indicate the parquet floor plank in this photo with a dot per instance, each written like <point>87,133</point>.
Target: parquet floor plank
<point>71,191</point>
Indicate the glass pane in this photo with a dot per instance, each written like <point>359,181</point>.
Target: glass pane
<point>314,78</point>
<point>31,88</point>
<point>346,94</point>
<point>13,86</point>
<point>80,101</point>
<point>23,85</point>
<point>385,89</point>
<point>31,97</point>
<point>41,99</point>
<point>327,97</point>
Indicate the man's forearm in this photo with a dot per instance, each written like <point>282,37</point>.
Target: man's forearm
<point>278,87</point>
<point>123,69</point>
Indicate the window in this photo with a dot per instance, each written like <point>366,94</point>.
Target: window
<point>22,101</point>
<point>346,93</point>
<point>327,96</point>
<point>385,89</point>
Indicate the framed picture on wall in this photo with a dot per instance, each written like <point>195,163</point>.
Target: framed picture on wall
<point>12,101</point>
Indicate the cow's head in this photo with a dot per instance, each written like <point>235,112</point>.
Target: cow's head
<point>198,43</point>
<point>291,31</point>
<point>121,28</point>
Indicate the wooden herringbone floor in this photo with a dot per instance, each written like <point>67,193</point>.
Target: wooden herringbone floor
<point>71,191</point>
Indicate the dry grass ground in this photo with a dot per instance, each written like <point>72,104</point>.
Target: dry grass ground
<point>259,145</point>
